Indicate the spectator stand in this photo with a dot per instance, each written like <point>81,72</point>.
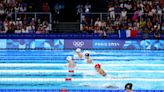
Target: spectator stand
<point>103,22</point>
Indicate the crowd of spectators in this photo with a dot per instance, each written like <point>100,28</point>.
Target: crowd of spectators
<point>23,23</point>
<point>143,16</point>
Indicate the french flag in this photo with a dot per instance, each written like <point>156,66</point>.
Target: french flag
<point>127,33</point>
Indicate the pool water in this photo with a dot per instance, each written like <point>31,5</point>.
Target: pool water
<point>45,69</point>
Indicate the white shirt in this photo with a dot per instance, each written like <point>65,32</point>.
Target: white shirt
<point>123,13</point>
<point>162,27</point>
<point>98,23</point>
<point>150,13</point>
<point>87,10</point>
<point>128,6</point>
<point>17,31</point>
<point>19,22</point>
<point>5,26</point>
<point>153,11</point>
<point>23,9</point>
<point>111,9</point>
<point>25,30</point>
<point>159,11</point>
<point>2,11</point>
<point>16,9</point>
<point>12,22</point>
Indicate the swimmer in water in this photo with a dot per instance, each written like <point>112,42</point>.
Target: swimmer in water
<point>100,70</point>
<point>71,63</point>
<point>128,87</point>
<point>79,53</point>
<point>88,59</point>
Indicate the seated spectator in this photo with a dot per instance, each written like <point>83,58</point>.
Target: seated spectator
<point>156,32</point>
<point>25,29</point>
<point>23,8</point>
<point>90,29</point>
<point>6,24</point>
<point>2,10</point>
<point>46,25</point>
<point>157,35</point>
<point>98,22</point>
<point>142,23</point>
<point>12,22</point>
<point>97,29</point>
<point>40,30</point>
<point>124,15</point>
<point>1,24</point>
<point>110,29</point>
<point>145,34</point>
<point>162,27</point>
<point>17,8</point>
<point>149,25</point>
<point>25,21</point>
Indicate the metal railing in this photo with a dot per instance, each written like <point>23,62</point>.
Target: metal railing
<point>35,14</point>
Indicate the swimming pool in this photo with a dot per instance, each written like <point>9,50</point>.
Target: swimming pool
<point>45,69</point>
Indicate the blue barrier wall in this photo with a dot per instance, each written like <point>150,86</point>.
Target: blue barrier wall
<point>32,44</point>
<point>70,36</point>
<point>60,90</point>
<point>80,43</point>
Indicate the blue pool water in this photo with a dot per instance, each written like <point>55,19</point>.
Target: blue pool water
<point>45,69</point>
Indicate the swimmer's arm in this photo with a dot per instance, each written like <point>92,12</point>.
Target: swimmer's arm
<point>75,57</point>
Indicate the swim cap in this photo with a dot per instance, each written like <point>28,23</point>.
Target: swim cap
<point>78,50</point>
<point>86,54</point>
<point>97,65</point>
<point>128,86</point>
<point>69,58</point>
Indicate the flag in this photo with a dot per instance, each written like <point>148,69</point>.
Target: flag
<point>127,33</point>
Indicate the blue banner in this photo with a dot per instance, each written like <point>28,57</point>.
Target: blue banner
<point>3,43</point>
<point>128,44</point>
<point>76,43</point>
<point>34,43</point>
<point>84,44</point>
<point>152,44</point>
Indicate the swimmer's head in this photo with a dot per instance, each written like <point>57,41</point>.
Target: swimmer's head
<point>128,86</point>
<point>87,54</point>
<point>78,50</point>
<point>69,58</point>
<point>97,66</point>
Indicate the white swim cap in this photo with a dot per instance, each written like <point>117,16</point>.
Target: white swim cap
<point>78,50</point>
<point>69,58</point>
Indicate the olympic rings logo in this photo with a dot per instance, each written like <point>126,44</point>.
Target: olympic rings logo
<point>78,43</point>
